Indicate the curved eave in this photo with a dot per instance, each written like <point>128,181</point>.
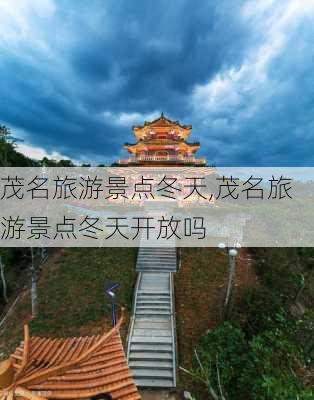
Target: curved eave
<point>193,148</point>
<point>133,148</point>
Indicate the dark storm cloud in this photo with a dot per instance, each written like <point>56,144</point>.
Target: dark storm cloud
<point>155,55</point>
<point>81,66</point>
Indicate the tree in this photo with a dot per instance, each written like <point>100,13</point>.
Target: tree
<point>5,134</point>
<point>230,291</point>
<point>65,163</point>
<point>8,154</point>
<point>4,283</point>
<point>38,256</point>
<point>34,294</point>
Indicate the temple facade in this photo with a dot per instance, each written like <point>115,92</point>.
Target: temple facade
<point>162,142</point>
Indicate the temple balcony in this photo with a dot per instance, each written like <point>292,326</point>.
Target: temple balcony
<point>160,159</point>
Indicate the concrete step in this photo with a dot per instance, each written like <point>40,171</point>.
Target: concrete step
<point>158,249</point>
<point>156,259</point>
<point>160,285</point>
<point>160,348</point>
<point>147,307</point>
<point>154,289</point>
<point>151,340</point>
<point>148,281</point>
<point>145,292</point>
<point>157,383</point>
<point>153,299</point>
<point>152,333</point>
<point>152,310</point>
<point>148,313</point>
<point>150,293</point>
<point>152,324</point>
<point>152,267</point>
<point>153,295</point>
<point>156,276</point>
<point>154,318</point>
<point>140,355</point>
<point>147,373</point>
<point>153,303</point>
<point>156,256</point>
<point>155,269</point>
<point>151,365</point>
<point>155,262</point>
<point>153,307</point>
<point>154,281</point>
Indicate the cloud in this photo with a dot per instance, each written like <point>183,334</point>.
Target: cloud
<point>257,101</point>
<point>232,88</point>
<point>129,119</point>
<point>37,153</point>
<point>75,76</point>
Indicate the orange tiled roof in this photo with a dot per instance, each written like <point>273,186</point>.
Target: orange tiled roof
<point>162,121</point>
<point>74,368</point>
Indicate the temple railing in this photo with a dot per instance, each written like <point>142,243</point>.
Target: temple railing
<point>164,141</point>
<point>181,160</point>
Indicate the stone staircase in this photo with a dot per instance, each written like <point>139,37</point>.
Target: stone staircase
<point>163,259</point>
<point>152,345</point>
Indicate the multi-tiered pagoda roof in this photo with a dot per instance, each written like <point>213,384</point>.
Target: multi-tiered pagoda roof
<point>74,368</point>
<point>162,142</point>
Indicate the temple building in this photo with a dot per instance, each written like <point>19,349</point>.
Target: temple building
<point>91,367</point>
<point>162,142</point>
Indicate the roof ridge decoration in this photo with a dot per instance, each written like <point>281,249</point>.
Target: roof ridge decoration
<point>90,365</point>
<point>163,120</point>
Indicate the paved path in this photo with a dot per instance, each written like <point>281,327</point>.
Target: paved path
<point>152,344</point>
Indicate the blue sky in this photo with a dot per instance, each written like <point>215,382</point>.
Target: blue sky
<point>76,75</point>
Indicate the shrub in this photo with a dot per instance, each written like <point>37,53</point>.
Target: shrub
<point>221,351</point>
<point>265,367</point>
<point>261,308</point>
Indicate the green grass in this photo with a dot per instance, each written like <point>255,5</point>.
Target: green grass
<point>199,290</point>
<point>72,299</point>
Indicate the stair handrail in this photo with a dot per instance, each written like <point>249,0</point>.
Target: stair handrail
<point>173,332</point>
<point>130,333</point>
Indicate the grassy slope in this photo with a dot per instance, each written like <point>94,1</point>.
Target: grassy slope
<point>200,286</point>
<point>71,294</point>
